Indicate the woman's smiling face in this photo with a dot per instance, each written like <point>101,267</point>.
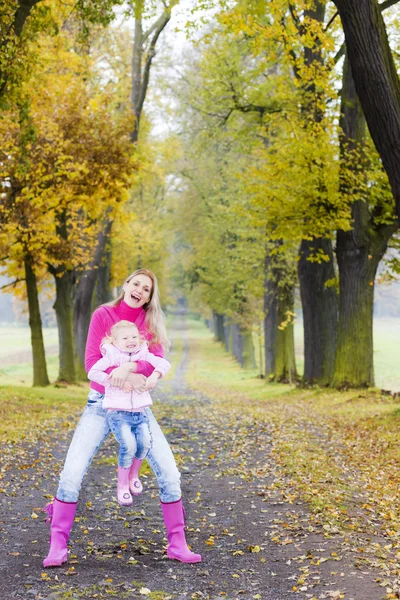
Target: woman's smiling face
<point>137,291</point>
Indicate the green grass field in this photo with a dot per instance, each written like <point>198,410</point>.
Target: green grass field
<point>16,365</point>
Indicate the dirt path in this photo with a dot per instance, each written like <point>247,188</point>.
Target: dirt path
<point>255,541</point>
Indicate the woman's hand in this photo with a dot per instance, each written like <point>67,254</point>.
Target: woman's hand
<point>120,375</point>
<point>138,382</point>
<point>152,380</point>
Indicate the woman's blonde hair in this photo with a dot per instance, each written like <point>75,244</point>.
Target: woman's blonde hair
<point>155,318</point>
<point>110,339</point>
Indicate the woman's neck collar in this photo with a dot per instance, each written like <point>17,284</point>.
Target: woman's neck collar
<point>124,309</point>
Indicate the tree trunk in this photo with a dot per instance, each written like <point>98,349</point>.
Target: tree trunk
<point>359,252</point>
<point>247,348</point>
<point>219,327</point>
<point>64,313</point>
<point>40,376</point>
<point>319,303</point>
<point>270,324</point>
<point>228,334</point>
<point>280,364</point>
<point>320,311</point>
<point>376,80</point>
<point>142,59</point>
<point>357,268</point>
<point>236,343</point>
<point>103,292</point>
<point>83,300</point>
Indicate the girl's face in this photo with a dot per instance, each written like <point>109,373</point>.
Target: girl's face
<point>137,291</point>
<point>127,338</point>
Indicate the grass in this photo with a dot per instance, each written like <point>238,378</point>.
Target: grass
<point>386,351</point>
<point>24,412</point>
<point>19,338</point>
<point>339,449</point>
<point>15,359</point>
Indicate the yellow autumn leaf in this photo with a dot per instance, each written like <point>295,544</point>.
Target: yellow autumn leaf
<point>144,591</point>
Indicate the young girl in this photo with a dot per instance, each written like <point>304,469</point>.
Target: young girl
<point>126,417</point>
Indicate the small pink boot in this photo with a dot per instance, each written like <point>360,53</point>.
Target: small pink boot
<point>123,494</point>
<point>61,515</point>
<point>135,485</point>
<point>175,524</point>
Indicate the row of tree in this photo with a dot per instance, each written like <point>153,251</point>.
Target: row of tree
<point>283,186</point>
<point>74,182</point>
<point>276,180</point>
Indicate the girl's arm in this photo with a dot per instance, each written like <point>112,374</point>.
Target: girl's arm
<point>97,330</point>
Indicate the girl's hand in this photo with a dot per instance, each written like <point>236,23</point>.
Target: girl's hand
<point>120,375</point>
<point>138,382</point>
<point>127,387</point>
<point>152,380</point>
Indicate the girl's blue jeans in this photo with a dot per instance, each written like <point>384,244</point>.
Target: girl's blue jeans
<point>92,430</point>
<point>132,432</point>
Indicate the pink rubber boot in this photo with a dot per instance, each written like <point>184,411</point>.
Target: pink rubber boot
<point>123,494</point>
<point>61,515</point>
<point>135,485</point>
<point>175,524</point>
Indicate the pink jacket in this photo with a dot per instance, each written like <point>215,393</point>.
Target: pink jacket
<point>114,397</point>
<point>102,320</point>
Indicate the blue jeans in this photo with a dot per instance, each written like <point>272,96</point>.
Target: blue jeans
<point>92,430</point>
<point>132,432</point>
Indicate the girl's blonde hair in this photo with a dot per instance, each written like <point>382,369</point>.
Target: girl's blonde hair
<point>110,339</point>
<point>155,318</point>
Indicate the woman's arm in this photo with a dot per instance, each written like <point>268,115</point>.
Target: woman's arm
<point>146,368</point>
<point>96,333</point>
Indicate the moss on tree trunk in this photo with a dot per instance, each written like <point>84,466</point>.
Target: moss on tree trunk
<point>64,313</point>
<point>280,364</point>
<point>354,356</point>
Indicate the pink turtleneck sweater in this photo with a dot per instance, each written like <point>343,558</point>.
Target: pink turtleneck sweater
<point>102,320</point>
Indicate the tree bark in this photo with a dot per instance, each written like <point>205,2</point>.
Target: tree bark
<point>357,268</point>
<point>319,303</point>
<point>65,322</point>
<point>228,334</point>
<point>103,292</point>
<point>376,80</point>
<point>359,252</point>
<point>22,13</point>
<point>219,327</point>
<point>83,300</point>
<point>40,376</point>
<point>142,59</point>
<point>320,311</point>
<point>248,360</point>
<point>280,364</point>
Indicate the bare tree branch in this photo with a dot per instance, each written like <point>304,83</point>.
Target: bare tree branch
<point>341,52</point>
<point>296,18</point>
<point>13,283</point>
<point>388,4</point>
<point>331,21</point>
<point>22,13</point>
<point>161,23</point>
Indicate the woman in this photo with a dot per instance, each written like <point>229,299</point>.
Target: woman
<point>139,303</point>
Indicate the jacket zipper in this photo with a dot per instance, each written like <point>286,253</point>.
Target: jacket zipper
<point>130,354</point>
